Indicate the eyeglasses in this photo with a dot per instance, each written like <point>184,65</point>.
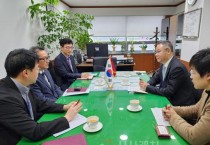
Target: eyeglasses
<point>159,51</point>
<point>45,58</point>
<point>69,47</point>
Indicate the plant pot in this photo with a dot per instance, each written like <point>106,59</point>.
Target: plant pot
<point>132,48</point>
<point>114,47</point>
<point>143,50</point>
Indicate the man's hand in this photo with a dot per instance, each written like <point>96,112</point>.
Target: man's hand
<point>66,107</point>
<point>85,75</point>
<point>72,111</point>
<point>143,85</point>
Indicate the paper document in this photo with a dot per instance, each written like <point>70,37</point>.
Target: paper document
<point>78,120</point>
<point>136,90</point>
<point>75,93</point>
<point>157,112</point>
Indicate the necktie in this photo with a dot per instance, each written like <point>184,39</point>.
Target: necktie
<point>46,79</point>
<point>70,65</point>
<point>164,72</point>
<point>28,103</point>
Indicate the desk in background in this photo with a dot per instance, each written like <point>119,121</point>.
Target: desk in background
<point>88,67</point>
<point>120,126</point>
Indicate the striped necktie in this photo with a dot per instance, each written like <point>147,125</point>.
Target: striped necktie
<point>70,64</point>
<point>46,79</point>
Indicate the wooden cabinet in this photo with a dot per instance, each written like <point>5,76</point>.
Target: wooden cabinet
<point>145,62</point>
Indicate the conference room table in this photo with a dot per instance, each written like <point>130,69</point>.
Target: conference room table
<point>120,126</point>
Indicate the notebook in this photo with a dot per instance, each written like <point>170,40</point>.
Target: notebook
<point>78,139</point>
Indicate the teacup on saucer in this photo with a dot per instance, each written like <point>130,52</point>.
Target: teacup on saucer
<point>136,109</point>
<point>99,82</point>
<point>88,129</point>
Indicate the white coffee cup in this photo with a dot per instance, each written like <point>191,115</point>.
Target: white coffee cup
<point>92,121</point>
<point>134,103</point>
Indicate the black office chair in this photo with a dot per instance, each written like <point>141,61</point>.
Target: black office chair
<point>99,63</point>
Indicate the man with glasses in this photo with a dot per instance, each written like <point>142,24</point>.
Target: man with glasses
<point>44,88</point>
<point>173,78</point>
<point>65,67</point>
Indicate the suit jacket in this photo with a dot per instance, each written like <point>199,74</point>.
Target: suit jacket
<point>64,73</point>
<point>177,85</point>
<point>45,91</point>
<point>198,134</point>
<point>15,120</point>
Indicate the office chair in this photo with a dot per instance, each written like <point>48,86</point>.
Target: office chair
<point>55,77</point>
<point>99,63</point>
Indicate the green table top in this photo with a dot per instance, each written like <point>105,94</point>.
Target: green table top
<point>120,126</point>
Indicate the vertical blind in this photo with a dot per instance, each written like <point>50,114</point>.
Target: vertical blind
<point>126,25</point>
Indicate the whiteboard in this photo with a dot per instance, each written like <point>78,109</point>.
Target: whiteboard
<point>192,24</point>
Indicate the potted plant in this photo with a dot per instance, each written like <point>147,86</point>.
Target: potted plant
<point>132,45</point>
<point>122,46</point>
<point>143,46</point>
<point>113,42</point>
<point>58,25</point>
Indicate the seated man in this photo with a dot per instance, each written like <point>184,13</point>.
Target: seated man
<point>65,67</point>
<point>199,133</point>
<point>44,88</point>
<point>19,106</point>
<point>173,77</point>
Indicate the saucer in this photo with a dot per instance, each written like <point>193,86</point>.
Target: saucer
<point>139,108</point>
<point>100,84</point>
<point>123,84</point>
<point>99,127</point>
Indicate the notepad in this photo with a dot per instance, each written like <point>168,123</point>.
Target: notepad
<point>77,121</point>
<point>78,139</point>
<point>157,112</point>
<point>70,92</point>
<point>136,90</point>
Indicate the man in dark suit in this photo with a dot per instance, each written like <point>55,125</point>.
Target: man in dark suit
<point>19,106</point>
<point>173,78</point>
<point>65,67</point>
<point>44,88</point>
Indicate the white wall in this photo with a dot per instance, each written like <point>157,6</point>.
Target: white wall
<point>191,46</point>
<point>16,29</point>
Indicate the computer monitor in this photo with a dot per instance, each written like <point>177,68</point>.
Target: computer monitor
<point>96,50</point>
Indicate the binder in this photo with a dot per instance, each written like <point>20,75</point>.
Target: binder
<point>78,139</point>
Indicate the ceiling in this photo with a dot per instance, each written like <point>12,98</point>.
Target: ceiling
<point>121,3</point>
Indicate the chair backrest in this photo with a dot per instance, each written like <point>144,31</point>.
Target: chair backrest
<point>99,63</point>
<point>55,77</point>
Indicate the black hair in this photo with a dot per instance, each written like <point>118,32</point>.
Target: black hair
<point>35,49</point>
<point>18,60</point>
<point>65,41</point>
<point>166,44</point>
<point>201,61</point>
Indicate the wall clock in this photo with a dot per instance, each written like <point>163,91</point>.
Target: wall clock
<point>191,2</point>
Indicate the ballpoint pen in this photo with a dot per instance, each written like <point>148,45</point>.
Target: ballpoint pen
<point>77,102</point>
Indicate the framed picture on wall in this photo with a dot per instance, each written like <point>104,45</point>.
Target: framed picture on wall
<point>191,25</point>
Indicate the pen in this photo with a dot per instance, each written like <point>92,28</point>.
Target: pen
<point>77,102</point>
<point>167,107</point>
